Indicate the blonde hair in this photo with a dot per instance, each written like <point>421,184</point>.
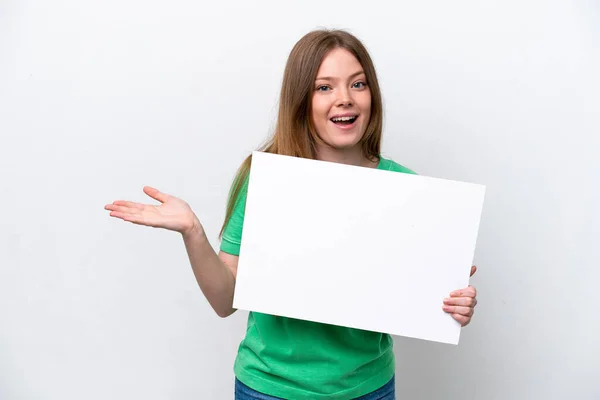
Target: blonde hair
<point>294,133</point>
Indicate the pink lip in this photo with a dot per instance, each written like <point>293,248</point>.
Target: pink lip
<point>345,127</point>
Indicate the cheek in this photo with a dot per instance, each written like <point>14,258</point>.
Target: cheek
<point>366,103</point>
<point>365,108</point>
<point>320,110</point>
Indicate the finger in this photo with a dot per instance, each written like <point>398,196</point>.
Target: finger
<point>120,215</point>
<point>122,209</point>
<point>133,218</point>
<point>156,194</point>
<point>461,301</point>
<point>466,311</point>
<point>464,321</point>
<point>473,270</point>
<point>466,292</point>
<point>474,291</point>
<point>130,204</point>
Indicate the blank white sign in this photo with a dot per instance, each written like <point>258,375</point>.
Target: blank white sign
<point>356,247</point>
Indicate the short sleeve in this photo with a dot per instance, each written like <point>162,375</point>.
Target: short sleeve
<point>391,165</point>
<point>232,234</point>
<point>407,170</point>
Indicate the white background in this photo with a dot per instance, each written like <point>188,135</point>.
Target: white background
<point>98,98</point>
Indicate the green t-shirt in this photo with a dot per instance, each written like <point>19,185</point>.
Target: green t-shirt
<point>296,359</point>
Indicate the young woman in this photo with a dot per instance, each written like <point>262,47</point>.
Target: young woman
<point>330,109</point>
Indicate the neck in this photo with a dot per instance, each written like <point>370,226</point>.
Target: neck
<point>353,156</point>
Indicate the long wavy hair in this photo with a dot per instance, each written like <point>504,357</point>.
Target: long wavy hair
<point>294,133</point>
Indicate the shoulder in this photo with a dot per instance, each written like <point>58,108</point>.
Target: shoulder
<point>390,165</point>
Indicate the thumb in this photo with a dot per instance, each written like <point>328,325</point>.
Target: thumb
<point>473,270</point>
<point>156,194</point>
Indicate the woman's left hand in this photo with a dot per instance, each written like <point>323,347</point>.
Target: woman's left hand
<point>461,303</point>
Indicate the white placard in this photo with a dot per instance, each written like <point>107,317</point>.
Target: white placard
<point>357,247</point>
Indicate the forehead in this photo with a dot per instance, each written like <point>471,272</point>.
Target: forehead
<point>339,63</point>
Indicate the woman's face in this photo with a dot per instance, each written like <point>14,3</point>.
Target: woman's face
<point>341,100</point>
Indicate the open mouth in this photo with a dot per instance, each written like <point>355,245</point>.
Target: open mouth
<point>342,121</point>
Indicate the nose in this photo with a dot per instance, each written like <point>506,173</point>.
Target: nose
<point>344,98</point>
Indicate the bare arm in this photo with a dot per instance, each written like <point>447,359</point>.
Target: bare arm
<point>214,273</point>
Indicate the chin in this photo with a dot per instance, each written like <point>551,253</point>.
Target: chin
<point>343,142</point>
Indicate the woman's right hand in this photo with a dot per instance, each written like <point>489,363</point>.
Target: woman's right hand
<point>173,213</point>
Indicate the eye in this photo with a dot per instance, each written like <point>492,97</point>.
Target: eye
<point>359,85</point>
<point>323,88</point>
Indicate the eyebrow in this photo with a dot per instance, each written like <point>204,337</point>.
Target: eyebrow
<point>329,78</point>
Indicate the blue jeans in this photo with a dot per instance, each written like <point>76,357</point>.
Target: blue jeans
<point>386,392</point>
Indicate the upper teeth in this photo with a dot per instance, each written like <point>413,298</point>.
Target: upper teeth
<point>343,118</point>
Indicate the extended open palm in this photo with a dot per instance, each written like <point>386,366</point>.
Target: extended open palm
<point>172,214</point>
